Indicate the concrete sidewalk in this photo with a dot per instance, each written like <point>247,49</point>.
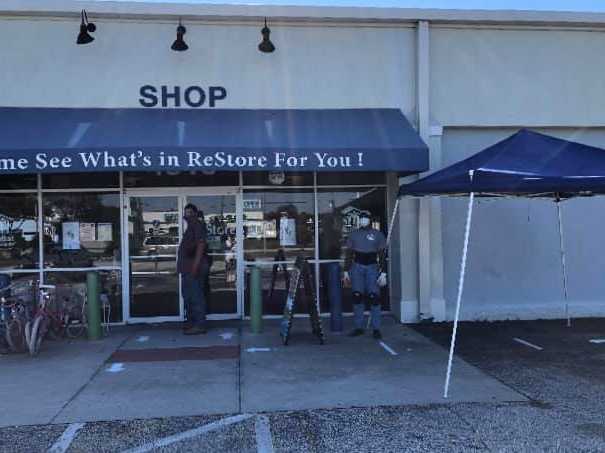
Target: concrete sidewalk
<point>155,371</point>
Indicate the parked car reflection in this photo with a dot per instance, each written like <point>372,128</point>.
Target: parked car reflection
<point>160,245</point>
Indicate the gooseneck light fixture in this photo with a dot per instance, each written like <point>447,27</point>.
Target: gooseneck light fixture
<point>179,44</point>
<point>85,29</point>
<point>266,46</point>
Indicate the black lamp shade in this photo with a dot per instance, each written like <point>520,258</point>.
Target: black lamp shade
<point>266,46</point>
<point>179,44</point>
<point>85,29</point>
<point>83,36</point>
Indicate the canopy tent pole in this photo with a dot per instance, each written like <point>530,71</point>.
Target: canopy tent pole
<point>563,262</point>
<point>392,222</point>
<point>460,286</point>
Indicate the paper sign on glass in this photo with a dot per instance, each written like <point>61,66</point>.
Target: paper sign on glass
<point>104,232</point>
<point>87,232</point>
<point>287,231</point>
<point>71,235</point>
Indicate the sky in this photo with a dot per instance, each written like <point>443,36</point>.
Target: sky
<point>539,5</point>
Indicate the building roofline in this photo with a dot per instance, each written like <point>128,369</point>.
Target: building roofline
<point>197,11</point>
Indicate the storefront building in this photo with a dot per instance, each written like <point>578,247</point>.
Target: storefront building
<point>103,144</point>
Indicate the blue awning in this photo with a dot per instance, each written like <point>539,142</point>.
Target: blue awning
<point>525,164</point>
<point>61,140</point>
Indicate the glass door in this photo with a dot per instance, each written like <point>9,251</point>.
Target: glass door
<point>153,239</point>
<point>219,215</point>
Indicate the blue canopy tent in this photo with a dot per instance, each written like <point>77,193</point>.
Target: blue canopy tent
<point>526,164</point>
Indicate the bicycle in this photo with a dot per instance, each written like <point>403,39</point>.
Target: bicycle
<point>36,329</point>
<point>14,315</point>
<point>74,315</point>
<point>55,320</point>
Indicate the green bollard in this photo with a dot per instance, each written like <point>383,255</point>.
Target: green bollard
<point>256,300</point>
<point>93,310</point>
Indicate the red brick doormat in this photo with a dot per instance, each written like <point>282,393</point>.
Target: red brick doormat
<point>175,354</point>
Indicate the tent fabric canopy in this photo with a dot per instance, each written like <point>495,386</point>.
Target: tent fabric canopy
<point>218,139</point>
<point>525,164</point>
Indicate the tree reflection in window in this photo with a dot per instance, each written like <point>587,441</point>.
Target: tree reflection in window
<point>18,231</point>
<point>94,220</point>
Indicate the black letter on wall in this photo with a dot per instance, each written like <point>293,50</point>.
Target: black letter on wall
<point>148,97</point>
<point>200,94</point>
<point>217,94</point>
<point>176,95</point>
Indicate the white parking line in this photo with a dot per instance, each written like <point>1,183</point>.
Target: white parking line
<point>226,336</point>
<point>527,343</point>
<point>143,339</point>
<point>258,350</point>
<point>387,348</point>
<point>189,434</point>
<point>63,443</point>
<point>597,340</point>
<point>264,441</point>
<point>115,368</point>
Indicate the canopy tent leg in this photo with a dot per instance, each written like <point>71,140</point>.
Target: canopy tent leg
<point>460,287</point>
<point>392,222</point>
<point>563,263</point>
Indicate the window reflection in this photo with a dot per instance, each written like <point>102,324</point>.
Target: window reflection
<point>278,226</point>
<point>81,230</point>
<point>219,217</point>
<point>339,212</point>
<point>18,231</point>
<point>71,289</point>
<point>279,223</point>
<point>153,242</point>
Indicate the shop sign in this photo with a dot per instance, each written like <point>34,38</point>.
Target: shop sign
<point>254,203</point>
<point>176,96</point>
<point>118,159</point>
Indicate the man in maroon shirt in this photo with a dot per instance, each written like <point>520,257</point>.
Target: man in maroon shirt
<point>193,266</point>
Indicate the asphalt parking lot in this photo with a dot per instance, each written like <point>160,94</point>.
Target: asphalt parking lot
<point>557,368</point>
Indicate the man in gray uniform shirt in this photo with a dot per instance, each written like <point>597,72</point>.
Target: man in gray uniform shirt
<point>364,249</point>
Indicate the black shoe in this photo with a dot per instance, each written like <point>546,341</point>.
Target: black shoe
<point>377,335</point>
<point>356,333</point>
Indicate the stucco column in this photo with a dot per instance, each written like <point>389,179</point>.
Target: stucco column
<point>407,246</point>
<point>431,303</point>
<point>430,244</point>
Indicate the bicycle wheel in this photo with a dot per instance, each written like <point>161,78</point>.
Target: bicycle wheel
<point>75,328</point>
<point>28,332</point>
<point>56,329</point>
<point>15,335</point>
<point>37,332</point>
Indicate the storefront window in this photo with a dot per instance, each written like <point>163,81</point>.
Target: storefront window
<point>350,178</point>
<point>339,212</point>
<point>22,286</point>
<point>278,226</point>
<point>81,180</point>
<point>153,240</point>
<point>81,229</point>
<point>219,217</point>
<point>71,290</point>
<point>18,231</point>
<point>181,179</point>
<point>279,223</point>
<point>10,182</point>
